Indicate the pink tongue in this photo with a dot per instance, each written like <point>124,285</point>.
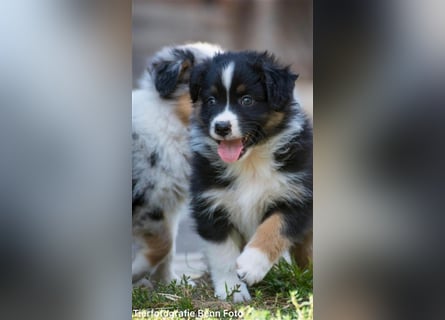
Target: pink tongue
<point>229,151</point>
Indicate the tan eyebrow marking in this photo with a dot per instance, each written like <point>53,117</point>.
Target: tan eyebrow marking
<point>241,88</point>
<point>213,90</point>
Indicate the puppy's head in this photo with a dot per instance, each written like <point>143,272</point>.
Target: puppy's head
<point>242,100</point>
<point>169,69</point>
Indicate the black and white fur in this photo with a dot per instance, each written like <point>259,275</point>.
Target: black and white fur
<point>161,155</point>
<point>256,207</point>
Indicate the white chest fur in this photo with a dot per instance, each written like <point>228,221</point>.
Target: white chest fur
<point>257,184</point>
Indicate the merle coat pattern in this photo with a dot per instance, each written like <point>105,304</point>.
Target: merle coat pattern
<point>161,155</point>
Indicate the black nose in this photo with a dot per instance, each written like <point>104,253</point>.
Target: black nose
<point>223,128</point>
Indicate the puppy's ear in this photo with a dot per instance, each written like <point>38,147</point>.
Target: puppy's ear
<point>279,81</point>
<point>280,85</point>
<point>196,79</point>
<point>168,74</point>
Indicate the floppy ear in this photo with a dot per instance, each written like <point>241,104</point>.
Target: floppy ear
<point>196,79</point>
<point>168,74</point>
<point>280,83</point>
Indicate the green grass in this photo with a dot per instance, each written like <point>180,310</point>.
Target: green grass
<point>285,293</point>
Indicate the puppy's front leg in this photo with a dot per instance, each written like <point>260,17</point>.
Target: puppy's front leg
<point>264,249</point>
<point>222,261</point>
<point>155,249</point>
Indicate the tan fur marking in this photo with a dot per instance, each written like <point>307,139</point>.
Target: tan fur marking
<point>213,90</point>
<point>184,109</point>
<point>186,64</point>
<point>269,239</point>
<point>241,88</point>
<point>274,120</point>
<point>185,70</point>
<point>303,251</point>
<point>159,247</point>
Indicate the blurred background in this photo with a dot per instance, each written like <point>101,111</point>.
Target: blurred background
<point>283,27</point>
<point>379,159</point>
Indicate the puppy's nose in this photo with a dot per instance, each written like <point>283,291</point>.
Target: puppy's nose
<point>223,128</point>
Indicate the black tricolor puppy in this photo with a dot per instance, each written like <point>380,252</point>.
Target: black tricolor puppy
<point>252,167</point>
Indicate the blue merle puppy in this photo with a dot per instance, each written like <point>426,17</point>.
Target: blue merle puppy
<point>160,151</point>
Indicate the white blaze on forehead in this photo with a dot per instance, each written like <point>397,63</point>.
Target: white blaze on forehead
<point>227,115</point>
<point>227,76</point>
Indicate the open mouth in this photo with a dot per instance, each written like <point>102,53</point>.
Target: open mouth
<point>231,150</point>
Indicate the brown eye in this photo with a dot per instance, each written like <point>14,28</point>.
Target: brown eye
<point>211,101</point>
<point>246,101</point>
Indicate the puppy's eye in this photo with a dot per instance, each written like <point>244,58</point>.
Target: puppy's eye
<point>211,101</point>
<point>246,101</point>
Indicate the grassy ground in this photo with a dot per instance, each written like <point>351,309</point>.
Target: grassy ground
<point>285,293</point>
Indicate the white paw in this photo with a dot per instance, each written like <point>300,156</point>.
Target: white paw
<point>236,288</point>
<point>252,265</point>
<point>140,268</point>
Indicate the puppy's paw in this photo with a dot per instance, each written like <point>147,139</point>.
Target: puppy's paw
<point>252,265</point>
<point>236,288</point>
<point>242,294</point>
